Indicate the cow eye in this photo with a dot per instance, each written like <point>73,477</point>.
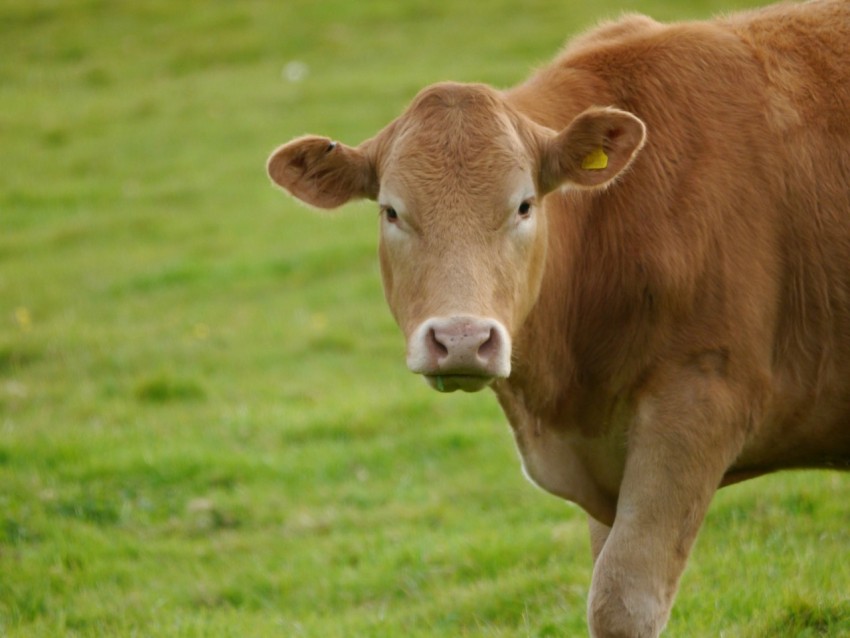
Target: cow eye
<point>524,209</point>
<point>391,213</point>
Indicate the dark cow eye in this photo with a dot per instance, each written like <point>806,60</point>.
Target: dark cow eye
<point>391,213</point>
<point>524,208</point>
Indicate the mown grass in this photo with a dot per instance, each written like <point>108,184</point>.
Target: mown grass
<point>206,427</point>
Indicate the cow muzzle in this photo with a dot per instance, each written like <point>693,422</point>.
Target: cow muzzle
<point>460,352</point>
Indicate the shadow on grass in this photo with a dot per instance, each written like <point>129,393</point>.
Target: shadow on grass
<point>165,389</point>
<point>803,619</point>
<point>14,357</point>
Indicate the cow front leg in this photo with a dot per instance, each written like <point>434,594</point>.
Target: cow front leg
<point>598,535</point>
<point>678,452</point>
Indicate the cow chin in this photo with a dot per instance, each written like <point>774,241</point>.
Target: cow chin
<point>453,382</point>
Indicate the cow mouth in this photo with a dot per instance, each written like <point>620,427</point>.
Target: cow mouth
<point>452,382</point>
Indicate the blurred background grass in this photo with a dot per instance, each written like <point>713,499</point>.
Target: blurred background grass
<point>206,424</point>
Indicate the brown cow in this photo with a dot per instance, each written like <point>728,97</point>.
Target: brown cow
<point>645,251</point>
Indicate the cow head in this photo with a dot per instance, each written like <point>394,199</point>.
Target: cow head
<point>459,179</point>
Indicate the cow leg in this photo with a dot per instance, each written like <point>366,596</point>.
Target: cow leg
<point>679,448</point>
<point>598,535</point>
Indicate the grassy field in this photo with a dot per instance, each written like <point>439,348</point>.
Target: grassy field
<point>206,424</point>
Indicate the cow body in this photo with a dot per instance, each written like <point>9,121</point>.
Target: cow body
<point>723,254</point>
<point>645,251</point>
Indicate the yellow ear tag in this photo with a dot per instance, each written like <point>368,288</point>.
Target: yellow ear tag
<point>595,161</point>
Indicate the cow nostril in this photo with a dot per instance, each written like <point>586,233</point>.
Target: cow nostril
<point>435,345</point>
<point>488,348</point>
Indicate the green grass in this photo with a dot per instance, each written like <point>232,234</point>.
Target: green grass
<point>206,425</point>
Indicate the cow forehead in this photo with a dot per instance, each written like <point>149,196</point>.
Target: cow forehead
<point>455,143</point>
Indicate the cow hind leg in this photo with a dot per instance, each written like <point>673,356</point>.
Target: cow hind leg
<point>681,443</point>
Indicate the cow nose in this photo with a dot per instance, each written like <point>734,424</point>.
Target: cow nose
<point>460,346</point>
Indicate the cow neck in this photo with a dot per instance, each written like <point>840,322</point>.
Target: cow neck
<point>590,334</point>
<point>586,342</point>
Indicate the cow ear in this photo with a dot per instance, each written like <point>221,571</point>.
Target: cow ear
<point>593,150</point>
<point>322,172</point>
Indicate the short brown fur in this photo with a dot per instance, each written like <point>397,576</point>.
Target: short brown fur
<point>679,318</point>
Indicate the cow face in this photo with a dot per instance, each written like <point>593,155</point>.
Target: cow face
<point>460,179</point>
